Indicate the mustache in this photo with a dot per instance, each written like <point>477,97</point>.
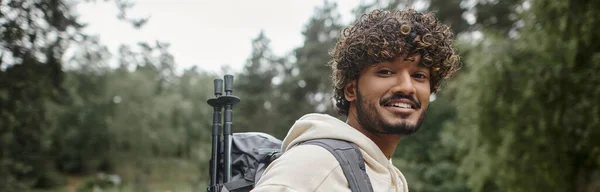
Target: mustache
<point>400,96</point>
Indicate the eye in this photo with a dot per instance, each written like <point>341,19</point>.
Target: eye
<point>385,72</point>
<point>420,76</point>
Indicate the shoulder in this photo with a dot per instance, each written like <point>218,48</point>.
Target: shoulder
<point>302,168</point>
<point>307,155</point>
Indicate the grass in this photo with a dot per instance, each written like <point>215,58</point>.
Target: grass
<point>153,175</point>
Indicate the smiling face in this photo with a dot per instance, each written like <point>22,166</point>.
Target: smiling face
<point>390,97</point>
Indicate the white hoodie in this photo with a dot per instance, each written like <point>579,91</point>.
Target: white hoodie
<point>305,168</point>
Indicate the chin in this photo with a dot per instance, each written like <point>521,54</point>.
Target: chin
<point>410,120</point>
<point>403,123</point>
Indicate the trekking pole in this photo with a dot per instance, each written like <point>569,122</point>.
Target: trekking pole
<point>216,134</point>
<point>228,100</point>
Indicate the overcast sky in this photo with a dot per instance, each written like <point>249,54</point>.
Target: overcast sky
<point>208,33</point>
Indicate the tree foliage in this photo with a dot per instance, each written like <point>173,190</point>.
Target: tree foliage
<point>33,37</point>
<point>78,115</point>
<point>529,111</point>
<point>256,88</point>
<point>281,89</point>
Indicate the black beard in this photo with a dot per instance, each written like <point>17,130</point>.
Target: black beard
<point>368,119</point>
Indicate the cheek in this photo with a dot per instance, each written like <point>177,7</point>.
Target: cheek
<point>372,89</point>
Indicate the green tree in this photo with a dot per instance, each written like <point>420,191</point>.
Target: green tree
<point>280,89</point>
<point>33,37</point>
<point>529,113</point>
<point>461,15</point>
<point>79,132</point>
<point>255,87</point>
<point>306,87</point>
<point>157,114</point>
<point>314,77</point>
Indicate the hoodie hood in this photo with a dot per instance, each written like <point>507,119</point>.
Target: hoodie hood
<point>318,126</point>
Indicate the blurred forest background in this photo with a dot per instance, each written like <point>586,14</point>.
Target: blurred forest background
<point>523,114</point>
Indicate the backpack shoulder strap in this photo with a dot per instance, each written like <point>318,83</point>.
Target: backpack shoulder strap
<point>351,161</point>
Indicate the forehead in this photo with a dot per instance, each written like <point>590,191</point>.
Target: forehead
<point>401,62</point>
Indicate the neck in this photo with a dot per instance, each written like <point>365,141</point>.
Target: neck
<point>386,142</point>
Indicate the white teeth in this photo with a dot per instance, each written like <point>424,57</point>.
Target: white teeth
<point>402,105</point>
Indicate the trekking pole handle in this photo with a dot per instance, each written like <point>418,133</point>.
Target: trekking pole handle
<point>228,84</point>
<point>218,87</point>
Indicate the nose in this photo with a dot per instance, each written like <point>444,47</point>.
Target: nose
<point>404,84</point>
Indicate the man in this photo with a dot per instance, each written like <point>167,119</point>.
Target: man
<point>385,67</point>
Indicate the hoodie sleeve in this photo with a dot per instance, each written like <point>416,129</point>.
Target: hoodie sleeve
<point>303,168</point>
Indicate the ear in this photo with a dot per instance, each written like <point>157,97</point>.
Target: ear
<point>350,91</point>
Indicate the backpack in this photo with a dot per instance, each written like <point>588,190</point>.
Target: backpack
<point>252,152</point>
<point>249,154</point>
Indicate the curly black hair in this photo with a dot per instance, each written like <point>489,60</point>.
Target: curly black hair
<point>381,36</point>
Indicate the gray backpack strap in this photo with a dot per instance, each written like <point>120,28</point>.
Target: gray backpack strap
<point>351,161</point>
<point>237,185</point>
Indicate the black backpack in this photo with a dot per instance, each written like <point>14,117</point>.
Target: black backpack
<point>244,156</point>
<point>252,152</point>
